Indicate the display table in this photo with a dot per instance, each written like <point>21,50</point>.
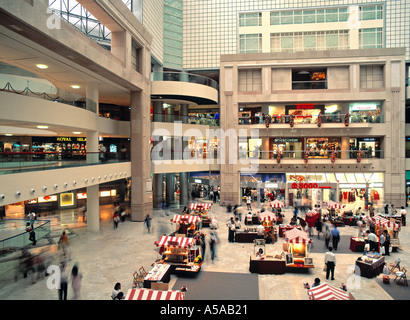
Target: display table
<point>357,244</point>
<point>370,269</point>
<point>349,221</point>
<point>267,265</point>
<point>159,273</point>
<point>245,237</point>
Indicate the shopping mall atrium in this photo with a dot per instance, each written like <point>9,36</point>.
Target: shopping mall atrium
<point>174,116</point>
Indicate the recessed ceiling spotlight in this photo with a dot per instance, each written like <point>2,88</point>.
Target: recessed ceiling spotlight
<point>42,127</point>
<point>75,86</point>
<point>8,134</point>
<point>76,132</point>
<point>42,66</point>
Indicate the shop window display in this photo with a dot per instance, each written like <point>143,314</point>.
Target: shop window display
<point>322,147</point>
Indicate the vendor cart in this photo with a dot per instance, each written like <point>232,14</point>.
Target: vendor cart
<point>186,224</point>
<point>181,253</point>
<point>298,249</point>
<point>202,210</point>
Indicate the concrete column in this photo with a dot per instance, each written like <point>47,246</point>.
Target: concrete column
<point>183,113</point>
<point>345,148</point>
<point>92,147</point>
<point>170,188</point>
<point>93,208</point>
<point>184,188</point>
<point>265,148</point>
<point>170,114</point>
<point>158,190</point>
<point>92,97</point>
<point>141,187</point>
<point>158,112</point>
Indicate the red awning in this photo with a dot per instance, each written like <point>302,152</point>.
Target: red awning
<point>296,236</point>
<point>185,219</point>
<point>276,204</point>
<point>149,294</point>
<point>384,222</point>
<point>175,242</point>
<point>327,292</point>
<point>267,216</point>
<point>206,206</point>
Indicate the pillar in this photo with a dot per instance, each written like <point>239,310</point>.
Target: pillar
<point>158,112</point>
<point>92,147</point>
<point>183,113</point>
<point>158,190</point>
<point>184,188</point>
<point>141,187</point>
<point>170,188</point>
<point>345,153</point>
<point>93,208</point>
<point>92,97</point>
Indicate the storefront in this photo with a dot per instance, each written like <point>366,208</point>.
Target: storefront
<point>366,112</point>
<point>309,194</point>
<point>62,147</point>
<point>288,147</point>
<point>304,112</point>
<point>319,148</point>
<point>369,146</point>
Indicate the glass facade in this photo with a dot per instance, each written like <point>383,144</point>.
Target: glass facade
<point>214,28</point>
<point>173,34</point>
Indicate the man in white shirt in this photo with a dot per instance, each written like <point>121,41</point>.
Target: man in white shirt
<point>330,261</point>
<point>261,231</point>
<point>372,238</point>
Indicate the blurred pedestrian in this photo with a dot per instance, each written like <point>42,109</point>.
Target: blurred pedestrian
<point>63,289</point>
<point>116,219</point>
<point>403,213</point>
<point>231,229</point>
<point>213,241</point>
<point>327,234</point>
<point>76,278</point>
<point>335,234</point>
<point>147,221</point>
<point>63,243</point>
<point>32,234</point>
<point>202,241</point>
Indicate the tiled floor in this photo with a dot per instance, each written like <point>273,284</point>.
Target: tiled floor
<point>112,255</point>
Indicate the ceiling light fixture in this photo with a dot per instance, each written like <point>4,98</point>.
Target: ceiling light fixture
<point>42,66</point>
<point>42,127</point>
<point>75,86</point>
<point>76,132</point>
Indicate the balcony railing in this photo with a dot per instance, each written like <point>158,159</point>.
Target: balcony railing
<point>309,85</point>
<point>184,77</point>
<point>20,239</point>
<point>62,96</point>
<point>201,119</point>
<point>308,119</point>
<point>16,162</point>
<point>193,154</point>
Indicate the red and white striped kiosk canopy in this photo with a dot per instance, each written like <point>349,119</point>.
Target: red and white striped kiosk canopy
<point>267,216</point>
<point>175,242</point>
<point>205,206</point>
<point>384,222</point>
<point>276,204</point>
<point>185,219</point>
<point>325,291</point>
<point>334,205</point>
<point>149,294</point>
<point>297,236</point>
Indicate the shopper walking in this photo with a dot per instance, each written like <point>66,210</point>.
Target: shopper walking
<point>202,241</point>
<point>63,244</point>
<point>76,278</point>
<point>403,213</point>
<point>330,262</point>
<point>231,230</point>
<point>116,291</point>
<point>63,289</point>
<point>249,202</point>
<point>213,241</point>
<point>335,234</point>
<point>386,242</point>
<point>116,219</point>
<point>327,234</point>
<point>318,226</point>
<point>147,221</point>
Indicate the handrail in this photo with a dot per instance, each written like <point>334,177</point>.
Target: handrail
<point>80,102</point>
<point>40,234</point>
<point>184,77</point>
<point>202,120</point>
<point>371,117</point>
<point>16,162</point>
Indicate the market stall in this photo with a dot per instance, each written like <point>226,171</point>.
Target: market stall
<point>276,206</point>
<point>187,224</point>
<point>357,244</point>
<point>370,265</point>
<point>297,255</point>
<point>180,252</point>
<point>202,209</point>
<point>160,273</point>
<point>325,291</point>
<point>381,223</point>
<point>263,263</point>
<point>267,220</point>
<point>283,228</point>
<point>246,235</point>
<point>148,294</point>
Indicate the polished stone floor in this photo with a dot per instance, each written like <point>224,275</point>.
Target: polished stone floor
<point>112,255</point>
